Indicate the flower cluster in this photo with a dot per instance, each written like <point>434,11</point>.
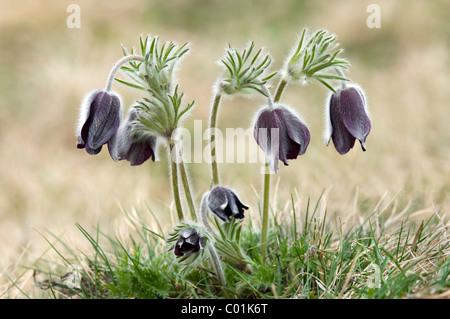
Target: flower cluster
<point>284,135</point>
<point>278,130</point>
<point>153,117</point>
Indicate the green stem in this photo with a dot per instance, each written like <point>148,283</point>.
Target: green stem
<point>187,189</point>
<point>280,89</point>
<point>217,266</point>
<point>212,250</point>
<point>212,125</point>
<point>340,73</point>
<point>203,208</point>
<point>270,101</point>
<point>175,190</point>
<point>117,66</point>
<point>265,215</point>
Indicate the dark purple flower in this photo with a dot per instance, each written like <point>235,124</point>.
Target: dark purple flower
<point>189,242</point>
<point>99,121</point>
<point>133,144</point>
<point>281,134</point>
<point>223,202</point>
<point>347,119</point>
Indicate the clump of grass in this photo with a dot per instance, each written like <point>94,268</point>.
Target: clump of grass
<point>383,254</point>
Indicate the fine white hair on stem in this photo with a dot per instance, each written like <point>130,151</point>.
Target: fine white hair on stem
<point>203,212</point>
<point>270,102</point>
<point>116,67</point>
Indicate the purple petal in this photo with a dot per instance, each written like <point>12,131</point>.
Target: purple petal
<point>232,208</point>
<point>123,138</point>
<point>285,145</point>
<point>85,111</point>
<point>104,119</point>
<point>93,151</point>
<point>267,134</point>
<point>178,246</point>
<point>188,242</point>
<point>297,131</point>
<point>141,152</point>
<point>343,141</point>
<point>225,204</point>
<point>293,136</point>
<point>112,148</point>
<point>140,149</point>
<point>237,207</point>
<point>192,239</point>
<point>134,146</point>
<point>354,114</point>
<point>218,202</point>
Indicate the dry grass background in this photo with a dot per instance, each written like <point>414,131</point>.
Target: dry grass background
<point>46,184</point>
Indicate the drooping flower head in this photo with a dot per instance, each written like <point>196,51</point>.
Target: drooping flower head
<point>225,204</point>
<point>281,134</point>
<point>99,121</point>
<point>189,242</point>
<point>347,119</point>
<point>134,145</point>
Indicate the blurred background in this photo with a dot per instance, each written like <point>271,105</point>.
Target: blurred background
<point>46,68</point>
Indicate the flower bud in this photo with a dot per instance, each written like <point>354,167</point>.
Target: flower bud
<point>281,134</point>
<point>347,119</point>
<point>134,145</point>
<point>224,203</point>
<point>189,242</point>
<point>99,121</point>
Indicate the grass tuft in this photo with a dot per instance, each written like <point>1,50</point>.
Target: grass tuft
<point>310,255</point>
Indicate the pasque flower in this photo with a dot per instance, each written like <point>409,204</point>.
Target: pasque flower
<point>347,119</point>
<point>224,203</point>
<point>189,242</point>
<point>281,134</point>
<point>99,121</point>
<point>133,144</point>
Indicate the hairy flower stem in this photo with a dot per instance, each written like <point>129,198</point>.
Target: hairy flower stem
<point>267,173</point>
<point>212,126</point>
<point>270,101</point>
<point>280,88</point>
<point>117,66</point>
<point>265,214</point>
<point>175,189</point>
<point>217,265</point>
<point>212,251</point>
<point>203,208</point>
<point>187,189</point>
<point>340,73</point>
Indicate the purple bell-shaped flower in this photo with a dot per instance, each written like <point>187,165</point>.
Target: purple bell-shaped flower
<point>224,203</point>
<point>347,119</point>
<point>189,242</point>
<point>134,145</point>
<point>281,134</point>
<point>99,121</point>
